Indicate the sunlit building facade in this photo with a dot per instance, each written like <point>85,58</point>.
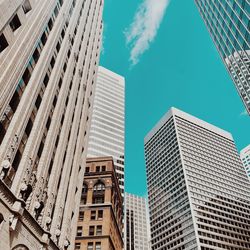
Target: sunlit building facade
<point>107,123</point>
<point>245,158</point>
<point>137,230</point>
<point>228,23</point>
<point>49,56</point>
<point>100,224</point>
<point>199,194</point>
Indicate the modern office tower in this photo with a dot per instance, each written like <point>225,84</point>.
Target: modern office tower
<point>106,135</point>
<point>137,232</point>
<point>199,194</point>
<point>228,24</point>
<point>49,56</point>
<point>245,158</point>
<point>100,215</point>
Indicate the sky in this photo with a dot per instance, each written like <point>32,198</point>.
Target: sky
<point>168,59</point>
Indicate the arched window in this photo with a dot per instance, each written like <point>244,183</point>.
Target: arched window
<point>84,194</point>
<point>98,193</point>
<point>20,247</point>
<point>84,189</point>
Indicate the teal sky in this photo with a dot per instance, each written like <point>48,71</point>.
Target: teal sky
<point>181,68</point>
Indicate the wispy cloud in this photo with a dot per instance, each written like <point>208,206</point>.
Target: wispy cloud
<point>244,113</point>
<point>144,27</point>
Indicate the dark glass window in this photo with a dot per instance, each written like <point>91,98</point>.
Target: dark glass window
<point>3,43</point>
<point>15,23</point>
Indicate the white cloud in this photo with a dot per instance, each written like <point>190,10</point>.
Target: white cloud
<point>143,30</point>
<point>244,113</point>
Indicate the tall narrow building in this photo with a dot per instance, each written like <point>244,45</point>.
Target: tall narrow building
<point>199,194</point>
<point>49,56</point>
<point>228,24</point>
<point>137,231</point>
<point>245,158</point>
<point>107,123</point>
<point>100,217</point>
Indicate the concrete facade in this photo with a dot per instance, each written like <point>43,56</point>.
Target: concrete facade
<point>137,228</point>
<point>245,158</point>
<point>49,56</point>
<point>100,215</point>
<point>198,191</point>
<point>106,136</point>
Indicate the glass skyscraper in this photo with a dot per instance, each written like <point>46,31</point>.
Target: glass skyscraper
<point>228,22</point>
<point>197,188</point>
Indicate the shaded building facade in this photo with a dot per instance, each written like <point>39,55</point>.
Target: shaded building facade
<point>228,23</point>
<point>197,187</point>
<point>100,215</point>
<point>49,56</point>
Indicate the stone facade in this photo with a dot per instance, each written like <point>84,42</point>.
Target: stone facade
<point>100,215</point>
<point>49,56</point>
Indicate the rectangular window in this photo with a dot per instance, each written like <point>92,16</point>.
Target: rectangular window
<point>79,231</point>
<point>103,168</point>
<point>100,214</point>
<point>99,230</point>
<point>26,6</point>
<point>98,246</point>
<point>91,230</point>
<point>81,215</point>
<point>77,246</point>
<point>15,23</point>
<point>3,43</point>
<point>97,168</point>
<point>93,215</point>
<point>87,170</point>
<point>90,246</point>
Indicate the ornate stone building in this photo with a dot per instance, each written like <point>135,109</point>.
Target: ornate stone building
<point>49,56</point>
<point>100,215</point>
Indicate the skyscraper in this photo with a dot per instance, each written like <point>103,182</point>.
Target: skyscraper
<point>137,231</point>
<point>107,123</point>
<point>100,217</point>
<point>49,56</point>
<point>245,158</point>
<point>199,194</point>
<point>228,23</point>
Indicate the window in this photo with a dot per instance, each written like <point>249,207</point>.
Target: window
<point>100,214</point>
<point>103,168</point>
<point>84,189</point>
<point>87,170</point>
<point>93,215</point>
<point>3,43</point>
<point>98,246</point>
<point>99,187</point>
<point>77,246</point>
<point>81,215</point>
<point>91,230</point>
<point>1,218</point>
<point>99,193</point>
<point>99,230</point>
<point>90,246</point>
<point>97,168</point>
<point>15,23</point>
<point>26,6</point>
<point>79,231</point>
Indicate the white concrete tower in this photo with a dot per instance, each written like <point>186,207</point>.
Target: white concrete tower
<point>199,194</point>
<point>106,137</point>
<point>245,158</point>
<point>49,56</point>
<point>137,229</point>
